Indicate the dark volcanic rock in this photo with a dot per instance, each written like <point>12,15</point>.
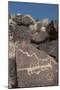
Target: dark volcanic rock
<point>22,33</point>
<point>50,47</point>
<point>52,31</point>
<point>39,37</point>
<point>34,67</point>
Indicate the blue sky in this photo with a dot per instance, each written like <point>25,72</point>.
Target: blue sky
<point>37,10</point>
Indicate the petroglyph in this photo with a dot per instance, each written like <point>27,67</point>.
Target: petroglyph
<point>32,55</point>
<point>36,69</point>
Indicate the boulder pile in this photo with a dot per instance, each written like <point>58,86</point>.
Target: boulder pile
<point>33,52</point>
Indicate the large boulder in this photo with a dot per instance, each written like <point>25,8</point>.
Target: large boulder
<point>27,20</point>
<point>34,67</point>
<point>50,47</point>
<point>39,37</point>
<point>52,31</point>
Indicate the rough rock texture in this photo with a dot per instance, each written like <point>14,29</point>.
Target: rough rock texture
<point>34,67</point>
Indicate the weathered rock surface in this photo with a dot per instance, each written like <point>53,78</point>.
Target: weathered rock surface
<point>39,37</point>
<point>50,47</point>
<point>34,67</point>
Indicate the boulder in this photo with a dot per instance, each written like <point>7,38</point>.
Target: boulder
<point>27,20</point>
<point>51,48</point>
<point>52,31</point>
<point>39,37</point>
<point>35,67</point>
<point>18,19</point>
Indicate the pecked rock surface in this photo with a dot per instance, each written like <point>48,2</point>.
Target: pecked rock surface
<point>34,67</point>
<point>33,47</point>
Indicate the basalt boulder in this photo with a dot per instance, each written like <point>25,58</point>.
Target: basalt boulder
<point>35,67</point>
<point>27,20</point>
<point>52,31</point>
<point>50,47</point>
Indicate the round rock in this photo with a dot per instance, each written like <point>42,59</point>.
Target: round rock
<point>27,19</point>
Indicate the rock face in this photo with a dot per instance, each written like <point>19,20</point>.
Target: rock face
<point>34,67</point>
